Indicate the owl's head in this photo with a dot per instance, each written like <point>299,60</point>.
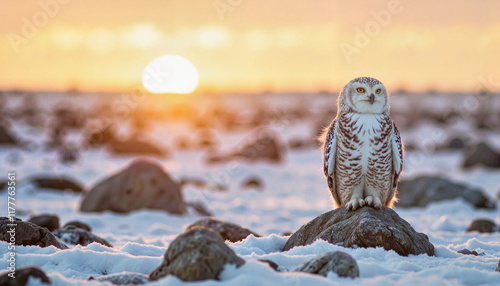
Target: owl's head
<point>364,95</point>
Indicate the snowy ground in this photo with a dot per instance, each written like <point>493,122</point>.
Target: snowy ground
<point>294,193</point>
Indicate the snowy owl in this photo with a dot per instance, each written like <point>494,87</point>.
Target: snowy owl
<point>362,149</point>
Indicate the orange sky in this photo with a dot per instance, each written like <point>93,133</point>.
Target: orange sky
<point>251,45</point>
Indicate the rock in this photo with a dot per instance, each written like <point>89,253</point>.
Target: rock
<point>219,187</point>
<point>69,117</point>
<point>264,146</point>
<point>197,254</point>
<point>51,222</point>
<point>468,252</point>
<point>101,136</point>
<point>68,155</point>
<point>482,226</point>
<point>271,264</point>
<point>77,236</point>
<point>421,191</point>
<point>481,154</point>
<point>6,138</point>
<point>199,183</point>
<point>252,183</point>
<point>456,143</point>
<point>497,266</point>
<point>78,224</point>
<point>228,231</point>
<point>27,233</point>
<point>58,183</point>
<point>123,278</point>
<point>143,184</point>
<point>3,185</point>
<point>301,143</point>
<point>199,208</point>
<point>22,276</point>
<point>205,138</point>
<point>339,262</point>
<point>134,146</point>
<point>365,227</point>
<point>182,143</point>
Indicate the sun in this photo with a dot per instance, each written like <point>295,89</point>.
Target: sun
<point>170,74</point>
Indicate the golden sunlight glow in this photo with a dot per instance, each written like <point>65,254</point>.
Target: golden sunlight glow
<point>170,74</point>
<point>253,47</point>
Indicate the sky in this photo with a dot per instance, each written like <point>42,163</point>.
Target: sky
<point>251,45</point>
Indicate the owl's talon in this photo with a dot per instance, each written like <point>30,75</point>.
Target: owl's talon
<point>354,203</point>
<point>373,202</point>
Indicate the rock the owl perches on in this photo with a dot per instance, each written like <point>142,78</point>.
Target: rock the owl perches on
<point>362,148</point>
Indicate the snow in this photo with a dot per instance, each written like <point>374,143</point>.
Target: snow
<point>294,192</point>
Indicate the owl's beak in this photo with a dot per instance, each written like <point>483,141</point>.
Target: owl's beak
<point>372,98</point>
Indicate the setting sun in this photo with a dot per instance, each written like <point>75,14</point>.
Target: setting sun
<point>170,74</point>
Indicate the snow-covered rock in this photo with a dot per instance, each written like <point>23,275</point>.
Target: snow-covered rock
<point>365,227</point>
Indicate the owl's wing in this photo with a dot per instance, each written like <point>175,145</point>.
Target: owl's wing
<point>397,155</point>
<point>329,149</point>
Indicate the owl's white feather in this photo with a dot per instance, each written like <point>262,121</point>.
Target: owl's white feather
<point>363,152</point>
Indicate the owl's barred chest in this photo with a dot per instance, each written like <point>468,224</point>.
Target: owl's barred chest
<point>364,141</point>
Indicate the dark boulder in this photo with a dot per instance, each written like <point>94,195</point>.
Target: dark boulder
<point>197,254</point>
<point>134,146</point>
<point>78,224</point>
<point>123,279</point>
<point>481,154</point>
<point>77,236</point>
<point>252,183</point>
<point>68,155</point>
<point>365,227</point>
<point>302,143</point>
<point>271,264</point>
<point>228,231</point>
<point>262,146</point>
<point>143,184</point>
<point>456,143</point>
<point>51,222</point>
<point>27,233</point>
<point>6,137</point>
<point>3,185</point>
<point>468,252</point>
<point>197,182</point>
<point>69,117</point>
<point>199,208</point>
<point>22,276</point>
<point>101,136</point>
<point>339,262</point>
<point>421,191</point>
<point>482,226</point>
<point>57,183</point>
<point>205,138</point>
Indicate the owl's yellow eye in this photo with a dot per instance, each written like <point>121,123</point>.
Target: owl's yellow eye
<point>360,89</point>
<point>378,91</point>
